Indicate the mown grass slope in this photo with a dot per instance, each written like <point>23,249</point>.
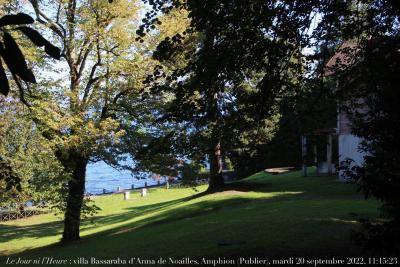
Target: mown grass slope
<point>262,215</point>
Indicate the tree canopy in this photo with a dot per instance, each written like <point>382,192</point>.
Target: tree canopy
<point>79,106</point>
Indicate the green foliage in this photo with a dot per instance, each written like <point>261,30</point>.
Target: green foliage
<point>368,82</point>
<point>310,108</point>
<point>190,173</point>
<point>83,109</point>
<point>376,119</point>
<point>234,88</point>
<point>28,160</point>
<point>10,183</point>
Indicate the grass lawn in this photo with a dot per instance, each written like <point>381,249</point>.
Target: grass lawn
<point>262,215</point>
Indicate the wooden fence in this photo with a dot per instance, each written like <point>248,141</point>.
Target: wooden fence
<point>12,215</point>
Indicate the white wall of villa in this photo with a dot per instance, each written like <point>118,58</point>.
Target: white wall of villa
<point>348,144</point>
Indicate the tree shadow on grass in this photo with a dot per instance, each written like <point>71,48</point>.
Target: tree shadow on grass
<point>124,238</point>
<point>164,213</point>
<point>163,216</point>
<point>9,232</point>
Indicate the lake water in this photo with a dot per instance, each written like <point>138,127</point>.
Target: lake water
<point>100,176</point>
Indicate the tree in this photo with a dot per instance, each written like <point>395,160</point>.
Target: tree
<point>29,170</point>
<point>378,126</point>
<point>76,112</point>
<point>22,151</point>
<point>157,146</point>
<point>368,91</point>
<point>190,173</point>
<point>263,47</point>
<point>82,107</point>
<point>311,107</point>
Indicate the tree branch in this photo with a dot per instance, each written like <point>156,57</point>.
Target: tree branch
<point>43,19</point>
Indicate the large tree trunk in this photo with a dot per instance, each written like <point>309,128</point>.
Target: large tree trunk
<point>214,116</point>
<point>216,179</point>
<point>76,164</point>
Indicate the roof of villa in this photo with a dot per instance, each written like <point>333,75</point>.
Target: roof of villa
<point>345,56</point>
